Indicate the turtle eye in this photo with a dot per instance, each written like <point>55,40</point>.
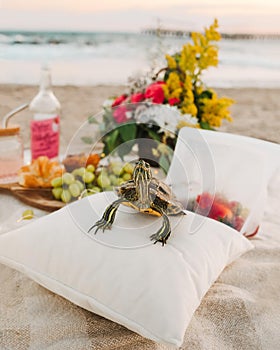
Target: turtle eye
<point>146,165</point>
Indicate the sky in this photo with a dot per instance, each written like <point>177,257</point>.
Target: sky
<point>241,16</point>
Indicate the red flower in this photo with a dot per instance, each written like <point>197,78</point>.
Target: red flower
<point>138,97</point>
<point>155,92</point>
<point>173,101</point>
<point>119,114</point>
<point>119,100</point>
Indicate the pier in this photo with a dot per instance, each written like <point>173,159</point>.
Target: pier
<point>185,33</point>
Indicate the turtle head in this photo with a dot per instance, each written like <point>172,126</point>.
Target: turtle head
<point>142,172</point>
<point>142,176</point>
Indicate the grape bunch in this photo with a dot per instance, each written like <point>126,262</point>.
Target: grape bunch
<point>89,180</point>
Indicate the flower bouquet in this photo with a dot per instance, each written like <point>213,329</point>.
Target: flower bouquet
<point>179,89</point>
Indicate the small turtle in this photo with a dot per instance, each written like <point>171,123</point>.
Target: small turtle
<point>147,195</point>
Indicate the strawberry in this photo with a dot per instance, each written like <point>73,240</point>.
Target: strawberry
<point>220,211</point>
<point>235,207</point>
<point>238,222</point>
<point>205,200</point>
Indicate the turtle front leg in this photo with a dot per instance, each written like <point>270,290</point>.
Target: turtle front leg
<point>108,216</point>
<point>164,232</point>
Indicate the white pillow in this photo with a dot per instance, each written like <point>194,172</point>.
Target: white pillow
<point>120,274</point>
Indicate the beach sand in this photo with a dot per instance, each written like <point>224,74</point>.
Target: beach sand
<point>256,112</point>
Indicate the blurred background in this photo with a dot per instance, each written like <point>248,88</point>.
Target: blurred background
<point>94,48</point>
<point>87,43</point>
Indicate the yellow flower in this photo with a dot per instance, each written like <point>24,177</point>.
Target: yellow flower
<point>214,110</point>
<point>173,88</point>
<point>171,62</point>
<point>188,84</point>
<point>189,108</point>
<point>173,81</point>
<point>184,123</point>
<point>188,58</point>
<point>202,53</point>
<point>176,93</point>
<point>184,79</point>
<point>212,34</point>
<point>208,58</point>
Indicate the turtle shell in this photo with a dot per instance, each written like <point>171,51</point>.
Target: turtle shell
<point>160,194</point>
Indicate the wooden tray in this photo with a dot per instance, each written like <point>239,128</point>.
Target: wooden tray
<point>40,198</point>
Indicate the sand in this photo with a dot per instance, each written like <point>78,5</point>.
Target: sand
<point>256,111</point>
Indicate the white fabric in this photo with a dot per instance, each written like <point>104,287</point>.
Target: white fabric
<point>228,165</point>
<point>120,274</point>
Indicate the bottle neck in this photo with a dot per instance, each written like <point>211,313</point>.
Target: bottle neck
<point>45,82</point>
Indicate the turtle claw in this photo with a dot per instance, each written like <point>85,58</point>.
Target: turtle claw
<point>163,233</point>
<point>157,238</point>
<point>100,224</point>
<point>108,217</point>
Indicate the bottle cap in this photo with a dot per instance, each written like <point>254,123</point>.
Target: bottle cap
<point>10,130</point>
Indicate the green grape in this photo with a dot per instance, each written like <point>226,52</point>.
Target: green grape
<point>103,171</point>
<point>85,193</point>
<point>108,188</point>
<point>79,171</point>
<point>117,169</point>
<point>74,189</point>
<point>126,177</point>
<point>96,189</point>
<point>88,177</point>
<point>113,179</point>
<point>27,214</point>
<point>116,163</point>
<point>57,191</point>
<point>80,184</point>
<point>121,181</point>
<point>103,181</point>
<point>89,191</point>
<point>128,168</point>
<point>56,182</point>
<point>90,168</point>
<point>90,185</point>
<point>66,196</point>
<point>68,178</point>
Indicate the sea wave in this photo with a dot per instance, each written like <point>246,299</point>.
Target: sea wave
<point>96,58</point>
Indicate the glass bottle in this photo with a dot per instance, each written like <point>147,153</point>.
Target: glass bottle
<point>11,153</point>
<point>45,125</point>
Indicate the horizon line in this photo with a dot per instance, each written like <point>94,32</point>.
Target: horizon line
<point>147,31</point>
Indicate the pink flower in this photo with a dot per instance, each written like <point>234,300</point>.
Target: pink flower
<point>155,92</point>
<point>119,100</point>
<point>138,97</point>
<point>119,114</point>
<point>173,101</point>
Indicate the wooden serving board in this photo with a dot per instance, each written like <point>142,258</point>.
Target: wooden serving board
<point>40,198</point>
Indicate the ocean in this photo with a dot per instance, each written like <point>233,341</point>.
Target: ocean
<point>112,58</point>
